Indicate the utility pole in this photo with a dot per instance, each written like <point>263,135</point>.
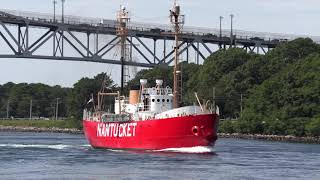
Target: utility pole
<point>8,106</point>
<point>54,10</point>
<point>30,109</point>
<point>241,108</point>
<point>57,108</point>
<point>221,17</point>
<point>62,20</point>
<point>62,17</point>
<point>231,32</point>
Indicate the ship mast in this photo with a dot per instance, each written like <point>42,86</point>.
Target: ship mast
<point>177,20</point>
<point>122,32</point>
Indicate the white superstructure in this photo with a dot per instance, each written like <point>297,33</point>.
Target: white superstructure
<point>153,103</point>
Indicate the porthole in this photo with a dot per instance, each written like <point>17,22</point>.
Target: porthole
<point>158,100</point>
<point>163,100</point>
<point>168,100</point>
<point>153,100</point>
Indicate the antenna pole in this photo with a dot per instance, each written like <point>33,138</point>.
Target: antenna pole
<point>177,20</point>
<point>122,32</point>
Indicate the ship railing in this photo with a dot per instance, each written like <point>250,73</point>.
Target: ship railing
<point>158,91</point>
<point>115,118</point>
<point>122,98</point>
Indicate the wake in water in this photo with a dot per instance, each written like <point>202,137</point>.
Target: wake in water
<point>188,150</point>
<point>192,150</point>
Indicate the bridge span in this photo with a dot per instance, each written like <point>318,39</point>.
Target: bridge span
<point>95,40</point>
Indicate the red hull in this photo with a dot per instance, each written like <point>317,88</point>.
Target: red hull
<point>188,131</point>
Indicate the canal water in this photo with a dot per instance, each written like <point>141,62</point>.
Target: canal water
<point>65,156</point>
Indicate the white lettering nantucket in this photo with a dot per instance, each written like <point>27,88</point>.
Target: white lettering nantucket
<point>116,130</point>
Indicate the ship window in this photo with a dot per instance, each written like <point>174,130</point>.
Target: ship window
<point>158,100</point>
<point>153,100</point>
<point>168,100</point>
<point>171,100</point>
<point>163,100</point>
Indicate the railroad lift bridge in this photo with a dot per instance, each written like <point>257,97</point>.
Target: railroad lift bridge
<point>20,31</point>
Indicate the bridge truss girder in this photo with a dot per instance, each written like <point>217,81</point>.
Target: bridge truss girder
<point>58,35</point>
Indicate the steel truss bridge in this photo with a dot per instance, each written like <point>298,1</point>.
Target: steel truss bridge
<point>95,40</point>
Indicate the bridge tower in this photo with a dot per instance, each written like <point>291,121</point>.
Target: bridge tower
<point>122,32</point>
<point>177,21</point>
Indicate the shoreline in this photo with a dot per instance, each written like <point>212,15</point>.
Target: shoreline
<point>39,129</point>
<point>277,138</point>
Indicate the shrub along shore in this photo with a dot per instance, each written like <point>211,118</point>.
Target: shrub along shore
<point>288,138</point>
<point>57,126</point>
<point>39,129</point>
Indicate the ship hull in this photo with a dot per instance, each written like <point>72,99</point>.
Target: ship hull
<point>178,132</point>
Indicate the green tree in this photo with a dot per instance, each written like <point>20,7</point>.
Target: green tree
<point>291,96</point>
<point>82,91</point>
<point>313,127</point>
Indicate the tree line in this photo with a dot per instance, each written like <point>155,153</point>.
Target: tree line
<point>43,101</point>
<point>275,93</point>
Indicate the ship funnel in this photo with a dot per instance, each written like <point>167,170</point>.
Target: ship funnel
<point>134,97</point>
<point>159,82</point>
<point>143,82</point>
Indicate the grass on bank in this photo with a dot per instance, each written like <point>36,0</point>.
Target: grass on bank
<point>70,124</point>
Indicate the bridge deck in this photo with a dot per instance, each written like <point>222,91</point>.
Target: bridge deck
<point>191,37</point>
<point>146,30</point>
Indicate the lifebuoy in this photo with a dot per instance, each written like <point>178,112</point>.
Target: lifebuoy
<point>195,130</point>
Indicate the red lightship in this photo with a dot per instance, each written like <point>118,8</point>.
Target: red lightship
<point>151,119</point>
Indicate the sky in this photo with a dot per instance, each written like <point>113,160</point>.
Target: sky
<point>279,16</point>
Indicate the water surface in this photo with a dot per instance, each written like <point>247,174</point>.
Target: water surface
<point>65,156</point>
